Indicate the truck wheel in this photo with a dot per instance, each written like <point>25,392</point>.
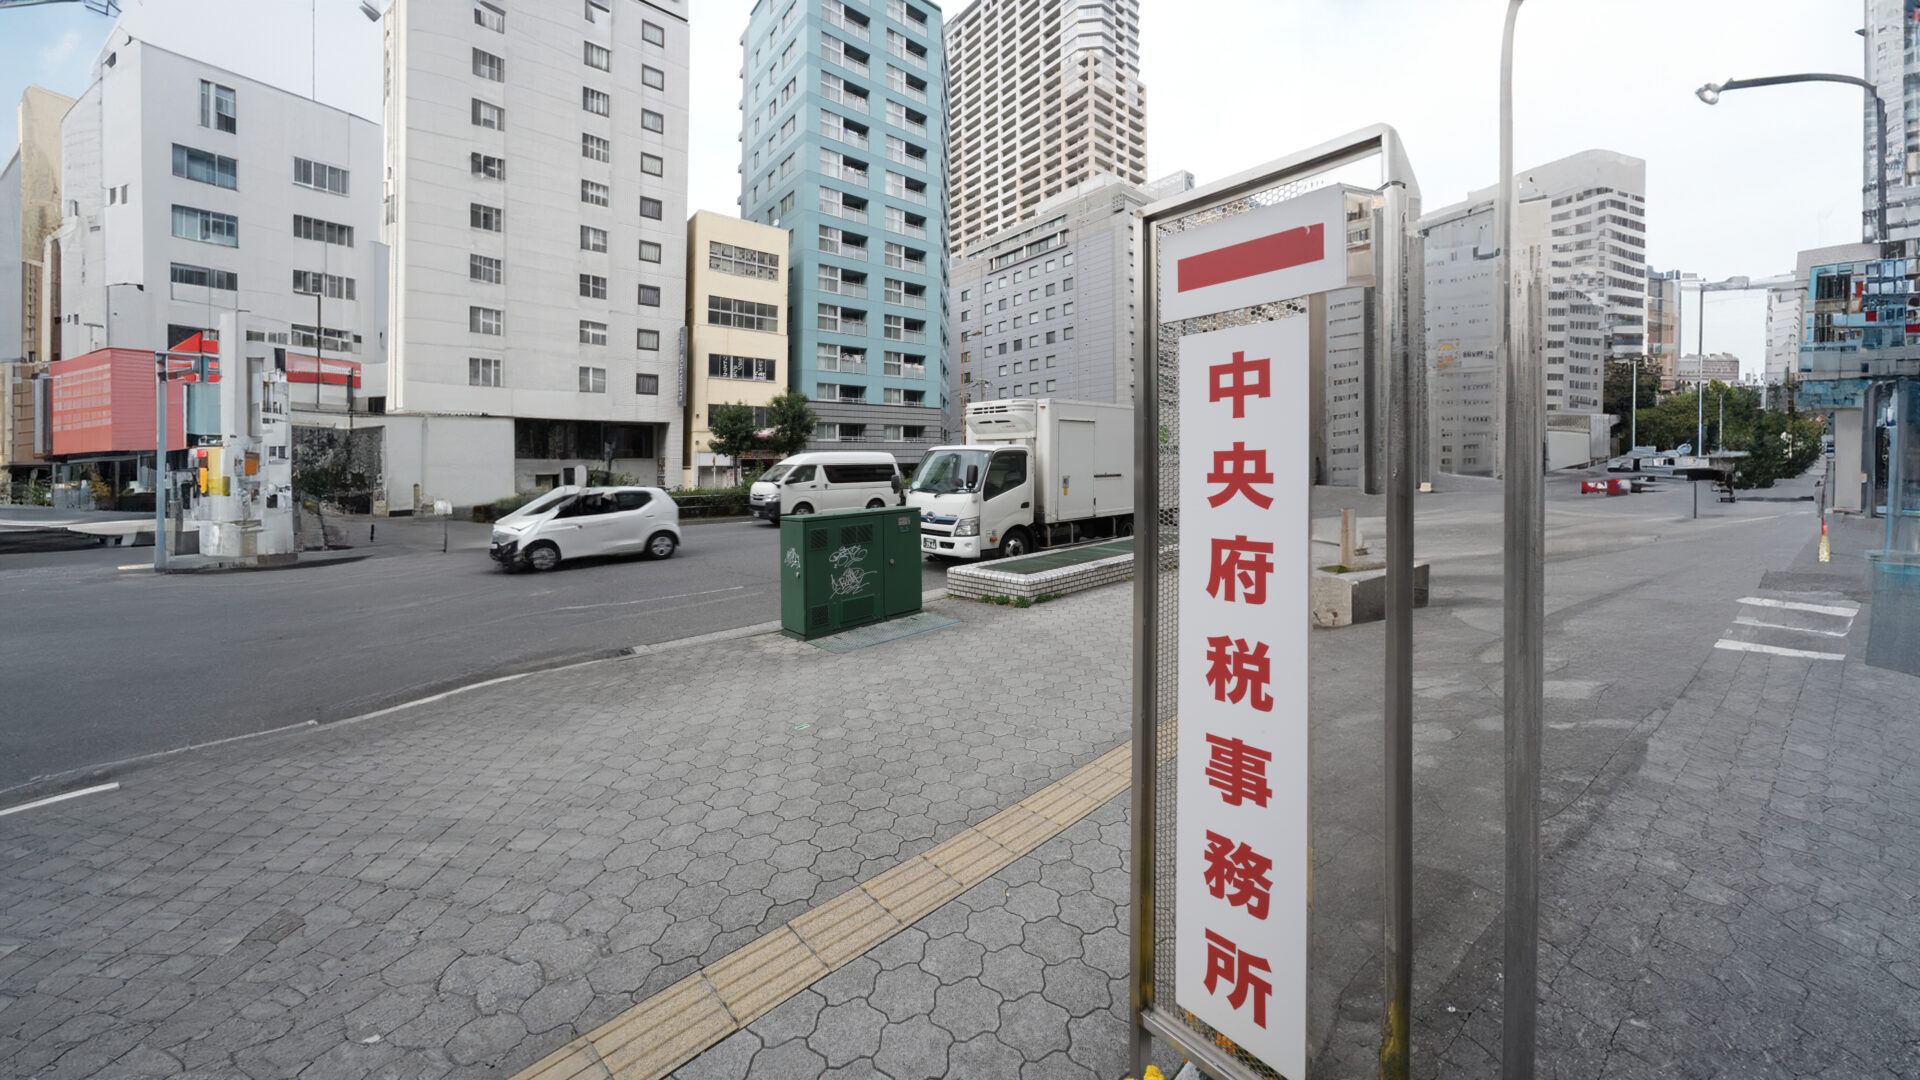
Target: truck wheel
<point>875,504</point>
<point>543,556</point>
<point>1015,543</point>
<point>802,508</point>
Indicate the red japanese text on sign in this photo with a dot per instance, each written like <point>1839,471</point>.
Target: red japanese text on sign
<point>1239,469</point>
<point>1237,967</point>
<point>1236,671</point>
<point>1239,770</point>
<point>1238,875</point>
<point>1240,379</point>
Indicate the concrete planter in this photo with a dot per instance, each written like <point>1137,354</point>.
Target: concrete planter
<point>1357,596</point>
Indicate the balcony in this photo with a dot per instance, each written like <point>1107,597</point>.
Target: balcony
<point>836,15</point>
<point>908,300</point>
<point>912,266</point>
<point>846,135</point>
<point>902,333</point>
<point>840,96</point>
<point>836,56</point>
<point>842,210</point>
<point>843,288</point>
<point>844,325</point>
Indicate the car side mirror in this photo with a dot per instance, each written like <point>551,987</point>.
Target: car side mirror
<point>894,482</point>
<point>973,477</point>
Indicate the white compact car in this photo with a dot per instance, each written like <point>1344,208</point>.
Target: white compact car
<point>824,480</point>
<point>569,522</point>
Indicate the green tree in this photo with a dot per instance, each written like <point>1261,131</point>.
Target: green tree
<point>1619,391</point>
<point>734,434</point>
<point>792,420</point>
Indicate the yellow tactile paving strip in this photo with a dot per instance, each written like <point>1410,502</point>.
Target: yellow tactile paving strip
<point>670,1028</point>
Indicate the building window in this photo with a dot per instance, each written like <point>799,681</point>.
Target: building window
<point>488,115</point>
<point>593,380</point>
<point>481,216</point>
<point>652,34</point>
<point>646,384</point>
<point>851,432</point>
<point>320,177</point>
<point>592,239</point>
<point>744,314</point>
<point>482,320</point>
<point>595,193</point>
<point>1065,309</point>
<point>753,368</point>
<point>206,226</point>
<point>488,66</point>
<point>596,9</point>
<point>596,102</point>
<point>203,276</point>
<point>482,268</point>
<point>217,109</point>
<point>650,208</point>
<point>598,56</point>
<point>1066,284</point>
<point>593,286</point>
<point>596,148</point>
<point>490,16</point>
<point>653,77</point>
<point>1051,360</point>
<point>647,339</point>
<point>652,165</point>
<point>649,251</point>
<point>593,333</point>
<point>1067,334</point>
<point>652,121</point>
<point>492,168</point>
<point>892,396</point>
<point>191,164</point>
<point>315,283</point>
<point>742,261</point>
<point>1050,383</point>
<point>649,296</point>
<point>483,370</point>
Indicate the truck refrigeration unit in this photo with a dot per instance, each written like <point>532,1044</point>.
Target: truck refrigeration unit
<point>1033,473</point>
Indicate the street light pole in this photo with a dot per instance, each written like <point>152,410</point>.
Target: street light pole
<point>1711,92</point>
<point>1525,614</point>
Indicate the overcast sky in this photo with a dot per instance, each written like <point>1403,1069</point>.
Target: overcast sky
<point>1738,188</point>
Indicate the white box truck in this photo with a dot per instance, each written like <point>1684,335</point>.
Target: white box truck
<point>1033,473</point>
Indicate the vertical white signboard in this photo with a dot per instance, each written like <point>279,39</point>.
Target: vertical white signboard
<point>1240,956</point>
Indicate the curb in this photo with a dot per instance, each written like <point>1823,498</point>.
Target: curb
<point>241,568</point>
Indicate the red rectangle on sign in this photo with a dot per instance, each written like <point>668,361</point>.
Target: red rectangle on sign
<point>1262,255</point>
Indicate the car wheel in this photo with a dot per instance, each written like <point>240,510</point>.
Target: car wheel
<point>875,504</point>
<point>660,545</point>
<point>803,508</point>
<point>543,556</point>
<point>1015,543</point>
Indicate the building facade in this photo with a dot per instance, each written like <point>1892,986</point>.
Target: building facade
<point>1045,309</point>
<point>1785,303</point>
<point>190,194</point>
<point>843,143</point>
<point>730,264</point>
<point>29,213</point>
<point>1045,94</point>
<point>1582,220</point>
<point>536,189</point>
<point>1692,369</point>
<point>1893,66</point>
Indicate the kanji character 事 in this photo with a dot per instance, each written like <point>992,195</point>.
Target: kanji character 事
<point>1238,770</point>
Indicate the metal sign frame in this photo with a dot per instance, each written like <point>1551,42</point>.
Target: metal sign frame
<point>1395,362</point>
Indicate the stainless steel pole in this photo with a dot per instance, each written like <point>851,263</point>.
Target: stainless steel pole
<point>159,462</point>
<point>1146,645</point>
<point>1700,378</point>
<point>1525,615</point>
<point>1399,296</point>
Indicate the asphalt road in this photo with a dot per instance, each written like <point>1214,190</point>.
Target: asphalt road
<point>103,664</point>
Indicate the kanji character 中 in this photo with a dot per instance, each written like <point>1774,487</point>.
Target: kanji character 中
<point>1239,379</point>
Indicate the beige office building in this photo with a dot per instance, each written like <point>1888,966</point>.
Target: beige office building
<point>733,267</point>
<point>29,211</point>
<point>1042,94</point>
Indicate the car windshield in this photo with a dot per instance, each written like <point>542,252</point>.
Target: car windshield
<point>543,504</point>
<point>945,471</point>
<point>775,474</point>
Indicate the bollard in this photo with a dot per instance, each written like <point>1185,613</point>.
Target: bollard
<point>1347,545</point>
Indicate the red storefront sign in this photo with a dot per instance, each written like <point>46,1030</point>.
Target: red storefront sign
<point>103,404</point>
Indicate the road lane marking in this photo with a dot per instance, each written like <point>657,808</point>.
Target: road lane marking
<point>62,797</point>
<point>1775,650</point>
<point>1795,605</point>
<point>1748,620</point>
<point>648,600</point>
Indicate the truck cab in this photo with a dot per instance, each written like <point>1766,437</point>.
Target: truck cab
<point>974,500</point>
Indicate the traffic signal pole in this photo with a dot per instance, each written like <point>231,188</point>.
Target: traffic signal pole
<point>159,462</point>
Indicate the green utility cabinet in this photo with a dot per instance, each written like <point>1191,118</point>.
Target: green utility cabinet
<point>847,568</point>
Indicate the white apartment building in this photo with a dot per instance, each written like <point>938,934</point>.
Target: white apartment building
<point>1582,220</point>
<point>1045,308</point>
<point>1042,94</point>
<point>1785,304</point>
<point>30,207</point>
<point>191,192</point>
<point>536,187</point>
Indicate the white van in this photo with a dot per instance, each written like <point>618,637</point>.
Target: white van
<point>825,480</point>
